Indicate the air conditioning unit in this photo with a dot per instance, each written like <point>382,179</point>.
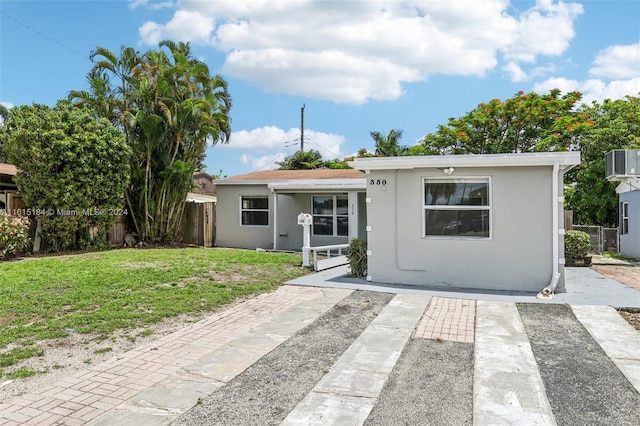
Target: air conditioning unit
<point>622,164</point>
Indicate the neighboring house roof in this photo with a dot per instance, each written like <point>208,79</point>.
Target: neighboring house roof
<point>193,197</point>
<point>8,169</point>
<point>284,175</point>
<point>628,186</point>
<point>565,160</point>
<point>199,175</point>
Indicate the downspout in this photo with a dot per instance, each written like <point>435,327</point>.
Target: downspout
<point>275,219</point>
<point>549,290</point>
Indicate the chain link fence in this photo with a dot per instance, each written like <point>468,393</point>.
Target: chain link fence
<point>602,239</point>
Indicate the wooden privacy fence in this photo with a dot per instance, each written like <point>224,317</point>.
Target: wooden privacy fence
<point>199,224</point>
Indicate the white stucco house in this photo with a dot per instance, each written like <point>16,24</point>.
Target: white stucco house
<point>260,209</point>
<point>629,217</point>
<point>623,166</point>
<point>490,222</point>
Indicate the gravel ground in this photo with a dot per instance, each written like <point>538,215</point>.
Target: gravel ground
<point>431,384</point>
<point>583,385</point>
<point>267,391</point>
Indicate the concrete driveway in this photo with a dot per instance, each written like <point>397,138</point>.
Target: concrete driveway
<point>340,352</point>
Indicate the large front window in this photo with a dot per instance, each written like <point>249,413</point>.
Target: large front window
<point>254,211</point>
<point>457,208</point>
<point>331,215</point>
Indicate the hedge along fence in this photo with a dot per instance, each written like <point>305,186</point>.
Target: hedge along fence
<point>14,235</point>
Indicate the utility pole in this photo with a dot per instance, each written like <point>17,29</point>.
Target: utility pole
<point>302,128</point>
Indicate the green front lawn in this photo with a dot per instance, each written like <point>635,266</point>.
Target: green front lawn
<point>124,289</point>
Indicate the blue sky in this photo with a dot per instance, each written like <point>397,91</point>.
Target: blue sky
<point>357,65</point>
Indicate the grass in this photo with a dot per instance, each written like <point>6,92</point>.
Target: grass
<point>102,292</point>
<point>620,257</point>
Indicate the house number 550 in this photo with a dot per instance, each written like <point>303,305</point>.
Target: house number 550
<point>377,181</point>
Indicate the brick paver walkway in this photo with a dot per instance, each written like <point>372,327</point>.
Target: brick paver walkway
<point>628,275</point>
<point>84,396</point>
<point>448,319</point>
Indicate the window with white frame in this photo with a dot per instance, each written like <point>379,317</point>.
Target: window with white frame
<point>457,208</point>
<point>254,211</point>
<point>624,218</point>
<point>331,215</point>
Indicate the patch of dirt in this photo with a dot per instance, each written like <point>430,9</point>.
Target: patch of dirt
<point>66,356</point>
<point>632,316</point>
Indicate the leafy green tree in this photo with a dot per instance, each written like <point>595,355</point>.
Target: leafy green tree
<point>302,160</point>
<point>170,107</point>
<point>616,125</point>
<point>524,123</point>
<point>336,164</point>
<point>389,145</point>
<point>73,171</point>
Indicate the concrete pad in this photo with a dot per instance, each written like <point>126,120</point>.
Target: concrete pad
<point>507,386</point>
<point>617,338</point>
<point>362,369</point>
<point>175,400</point>
<point>326,409</point>
<point>352,382</point>
<point>584,286</point>
<point>401,312</point>
<point>377,349</point>
<point>256,340</point>
<point>225,363</point>
<point>127,418</point>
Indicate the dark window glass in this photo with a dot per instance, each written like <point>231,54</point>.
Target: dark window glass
<point>255,211</point>
<point>255,217</point>
<point>261,203</point>
<point>462,223</point>
<point>342,206</point>
<point>322,205</point>
<point>322,225</point>
<point>456,193</point>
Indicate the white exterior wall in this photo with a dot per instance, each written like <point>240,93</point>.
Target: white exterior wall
<point>517,257</point>
<point>229,232</point>
<point>630,242</point>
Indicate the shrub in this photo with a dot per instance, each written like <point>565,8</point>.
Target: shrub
<point>14,234</point>
<point>576,244</point>
<point>357,256</point>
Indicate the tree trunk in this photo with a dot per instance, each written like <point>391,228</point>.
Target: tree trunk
<point>37,239</point>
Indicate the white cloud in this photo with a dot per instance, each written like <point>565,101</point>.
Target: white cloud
<point>271,138</point>
<point>617,62</point>
<point>185,26</point>
<point>545,29</point>
<point>357,51</point>
<point>618,69</point>
<point>515,73</point>
<point>265,162</point>
<point>7,105</point>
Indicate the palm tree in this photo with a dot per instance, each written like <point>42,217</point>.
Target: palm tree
<point>388,146</point>
<point>170,108</point>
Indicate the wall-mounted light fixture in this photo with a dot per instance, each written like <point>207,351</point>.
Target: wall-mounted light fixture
<point>449,170</point>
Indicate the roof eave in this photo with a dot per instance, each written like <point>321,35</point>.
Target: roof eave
<point>566,160</point>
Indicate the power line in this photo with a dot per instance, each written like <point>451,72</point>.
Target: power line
<point>40,33</point>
